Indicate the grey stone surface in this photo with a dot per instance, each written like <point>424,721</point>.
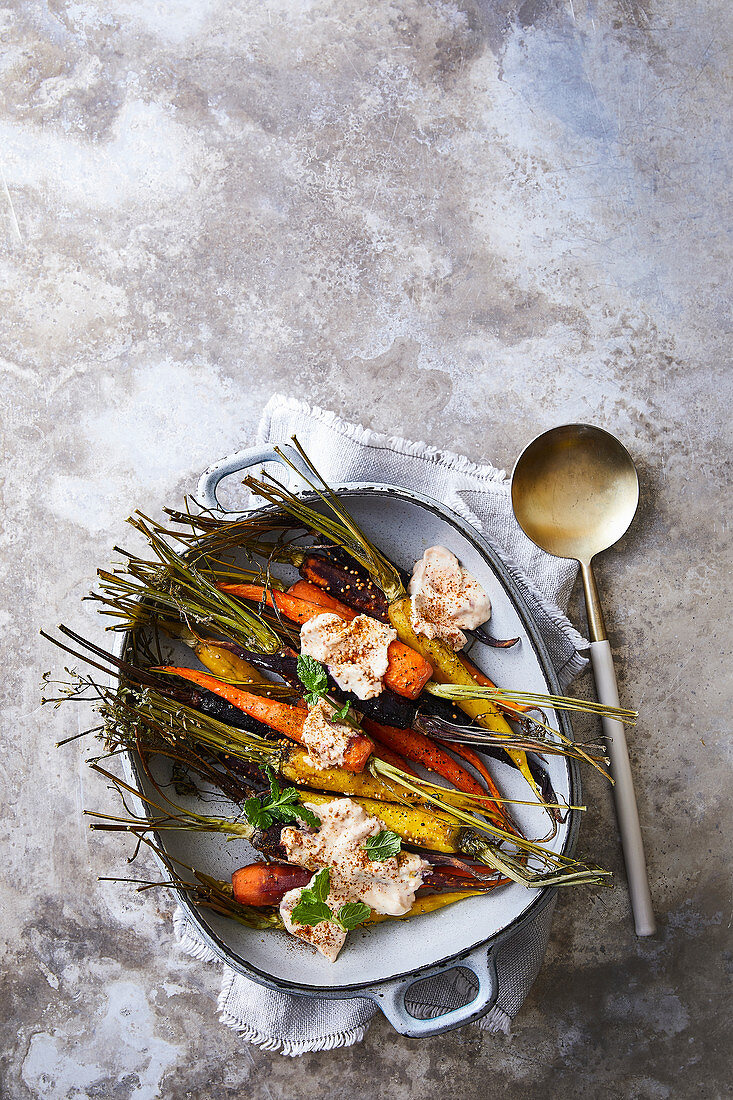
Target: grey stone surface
<point>457,221</point>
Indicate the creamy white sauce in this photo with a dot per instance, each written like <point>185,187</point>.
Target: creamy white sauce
<point>325,740</point>
<point>354,653</point>
<point>387,886</point>
<point>446,599</point>
<point>327,937</point>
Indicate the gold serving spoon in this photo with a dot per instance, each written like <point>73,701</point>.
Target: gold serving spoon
<point>575,491</point>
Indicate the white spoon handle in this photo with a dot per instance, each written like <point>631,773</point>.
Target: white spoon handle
<point>626,811</point>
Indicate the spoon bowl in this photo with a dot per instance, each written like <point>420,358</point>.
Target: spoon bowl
<point>575,491</point>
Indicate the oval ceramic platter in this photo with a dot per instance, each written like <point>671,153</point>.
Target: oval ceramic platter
<point>403,525</point>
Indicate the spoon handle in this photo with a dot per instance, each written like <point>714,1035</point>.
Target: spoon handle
<point>626,811</point>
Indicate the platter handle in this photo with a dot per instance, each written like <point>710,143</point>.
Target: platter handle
<point>234,463</point>
<point>391,998</point>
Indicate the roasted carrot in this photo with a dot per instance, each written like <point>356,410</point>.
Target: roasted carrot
<point>429,904</point>
<point>408,671</point>
<point>517,755</point>
<point>292,607</point>
<point>481,678</point>
<point>447,668</point>
<point>279,716</point>
<point>226,665</point>
<point>224,661</point>
<point>298,769</point>
<point>475,761</point>
<point>305,591</point>
<point>394,758</point>
<point>267,883</point>
<point>428,829</point>
<point>347,582</point>
<point>420,749</point>
<point>286,719</point>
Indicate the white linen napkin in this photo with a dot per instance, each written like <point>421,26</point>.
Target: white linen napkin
<point>344,452</point>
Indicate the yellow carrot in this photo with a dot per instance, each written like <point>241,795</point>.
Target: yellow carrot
<point>414,824</point>
<point>295,767</point>
<point>226,665</point>
<point>428,904</point>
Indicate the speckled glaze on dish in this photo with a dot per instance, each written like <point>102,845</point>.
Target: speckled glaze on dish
<point>381,963</point>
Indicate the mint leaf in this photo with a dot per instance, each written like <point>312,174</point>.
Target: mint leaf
<point>256,814</point>
<point>280,797</point>
<point>280,805</point>
<point>295,814</point>
<point>339,715</point>
<point>383,846</point>
<point>274,788</point>
<point>311,912</point>
<point>321,884</point>
<point>308,816</point>
<point>312,676</point>
<point>311,908</point>
<point>352,914</point>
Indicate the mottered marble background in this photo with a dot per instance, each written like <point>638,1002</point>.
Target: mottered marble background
<point>456,220</point>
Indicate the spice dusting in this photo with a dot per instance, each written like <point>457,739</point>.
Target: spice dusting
<point>446,598</point>
<point>355,653</point>
<point>325,738</point>
<point>386,886</point>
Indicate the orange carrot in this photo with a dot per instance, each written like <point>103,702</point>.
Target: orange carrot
<point>475,760</point>
<point>279,716</point>
<point>419,748</point>
<point>297,610</point>
<point>407,672</point>
<point>267,883</point>
<point>286,719</point>
<point>313,594</point>
<point>394,759</point>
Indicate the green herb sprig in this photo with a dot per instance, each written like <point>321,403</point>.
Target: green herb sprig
<point>312,676</point>
<point>384,845</point>
<point>339,715</point>
<point>313,910</point>
<point>282,804</point>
